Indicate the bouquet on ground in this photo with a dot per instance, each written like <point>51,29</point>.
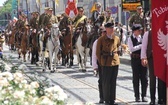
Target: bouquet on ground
<point>18,89</point>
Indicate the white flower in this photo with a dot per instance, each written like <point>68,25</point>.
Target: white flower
<point>6,102</point>
<point>46,101</point>
<point>33,91</point>
<point>8,75</point>
<point>4,82</point>
<point>19,94</point>
<point>34,84</point>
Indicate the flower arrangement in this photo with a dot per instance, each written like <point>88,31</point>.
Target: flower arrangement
<point>15,89</point>
<point>19,88</point>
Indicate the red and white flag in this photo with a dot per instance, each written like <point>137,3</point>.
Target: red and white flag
<point>160,38</point>
<point>71,8</point>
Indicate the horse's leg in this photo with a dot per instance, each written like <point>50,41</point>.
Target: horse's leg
<point>24,57</point>
<point>19,53</point>
<point>32,57</point>
<point>79,59</point>
<point>63,59</point>
<point>71,58</point>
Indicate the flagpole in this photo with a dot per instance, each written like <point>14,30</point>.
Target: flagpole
<point>54,7</point>
<point>167,96</point>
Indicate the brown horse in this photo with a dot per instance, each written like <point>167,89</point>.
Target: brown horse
<point>24,43</point>
<point>11,42</point>
<point>34,47</point>
<point>67,50</point>
<point>66,41</point>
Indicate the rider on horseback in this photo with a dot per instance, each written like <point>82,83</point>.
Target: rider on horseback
<point>46,23</point>
<point>19,26</point>
<point>33,25</point>
<point>78,22</point>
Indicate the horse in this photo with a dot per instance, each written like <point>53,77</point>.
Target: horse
<point>34,47</point>
<point>66,42</point>
<point>53,46</point>
<point>67,51</point>
<point>24,42</point>
<point>11,42</point>
<point>82,51</point>
<point>95,33</point>
<point>41,38</point>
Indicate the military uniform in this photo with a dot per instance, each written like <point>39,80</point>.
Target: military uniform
<point>108,58</point>
<point>34,25</point>
<point>78,22</point>
<point>137,19</point>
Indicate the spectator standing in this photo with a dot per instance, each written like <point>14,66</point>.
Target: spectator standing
<point>139,71</point>
<point>147,60</point>
<point>97,68</point>
<point>108,58</point>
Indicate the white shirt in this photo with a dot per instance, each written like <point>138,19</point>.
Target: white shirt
<point>94,57</point>
<point>144,45</point>
<point>130,43</point>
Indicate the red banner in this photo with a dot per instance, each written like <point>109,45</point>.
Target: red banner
<point>160,38</point>
<point>71,9</point>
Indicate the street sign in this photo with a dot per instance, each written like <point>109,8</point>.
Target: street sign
<point>113,9</point>
<point>130,6</point>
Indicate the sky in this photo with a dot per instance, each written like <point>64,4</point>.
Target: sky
<point>1,2</point>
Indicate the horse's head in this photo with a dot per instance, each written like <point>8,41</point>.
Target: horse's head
<point>86,27</point>
<point>55,31</point>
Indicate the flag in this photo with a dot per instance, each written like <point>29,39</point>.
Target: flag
<point>71,8</point>
<point>18,2</point>
<point>93,7</point>
<point>160,38</point>
<point>38,2</point>
<point>57,2</point>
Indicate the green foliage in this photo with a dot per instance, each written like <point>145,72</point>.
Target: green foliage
<point>7,7</point>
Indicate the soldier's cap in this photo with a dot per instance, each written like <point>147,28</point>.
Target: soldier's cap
<point>80,9</point>
<point>108,11</point>
<point>109,25</point>
<point>98,4</point>
<point>37,13</point>
<point>50,9</point>
<point>32,13</point>
<point>23,15</point>
<point>46,8</point>
<point>139,7</point>
<point>137,27</point>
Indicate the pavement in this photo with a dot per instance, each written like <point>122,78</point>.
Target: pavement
<point>82,87</point>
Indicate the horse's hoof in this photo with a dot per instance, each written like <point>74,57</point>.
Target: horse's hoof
<point>71,63</point>
<point>52,71</point>
<point>43,70</point>
<point>83,70</point>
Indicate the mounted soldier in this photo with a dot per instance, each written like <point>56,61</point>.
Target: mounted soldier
<point>137,18</point>
<point>33,25</point>
<point>78,22</point>
<point>45,23</point>
<point>20,27</point>
<point>109,18</point>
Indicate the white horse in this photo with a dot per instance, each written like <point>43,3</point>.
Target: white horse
<point>41,38</point>
<point>53,46</point>
<point>81,51</point>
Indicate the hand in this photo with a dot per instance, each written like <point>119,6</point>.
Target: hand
<point>144,62</point>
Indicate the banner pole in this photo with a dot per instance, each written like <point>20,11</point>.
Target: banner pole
<point>167,96</point>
